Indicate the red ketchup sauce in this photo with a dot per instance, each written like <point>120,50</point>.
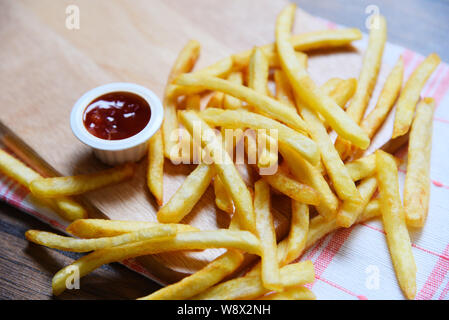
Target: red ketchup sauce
<point>116,115</point>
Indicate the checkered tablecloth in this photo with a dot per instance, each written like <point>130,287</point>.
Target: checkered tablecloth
<point>354,263</point>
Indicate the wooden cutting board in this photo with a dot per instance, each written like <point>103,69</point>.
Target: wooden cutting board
<point>45,68</point>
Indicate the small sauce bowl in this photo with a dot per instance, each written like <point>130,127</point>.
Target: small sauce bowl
<point>115,152</point>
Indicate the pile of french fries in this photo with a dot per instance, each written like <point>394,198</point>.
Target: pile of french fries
<point>330,183</point>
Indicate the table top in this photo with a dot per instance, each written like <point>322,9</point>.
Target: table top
<point>26,269</point>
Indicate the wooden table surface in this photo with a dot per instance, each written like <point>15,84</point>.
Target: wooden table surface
<point>26,269</point>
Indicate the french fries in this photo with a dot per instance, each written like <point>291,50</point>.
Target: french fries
<point>18,171</point>
<point>55,241</point>
<point>258,71</point>
<point>193,102</point>
<point>73,185</point>
<point>251,287</point>
<point>261,103</point>
<point>417,179</point>
<point>99,228</point>
<point>303,42</point>
<point>285,184</point>
<point>187,195</point>
<point>295,293</point>
<point>299,227</point>
<point>216,100</point>
<point>343,91</point>
<point>184,63</point>
<point>350,210</point>
<point>226,170</point>
<point>386,100</point>
<point>395,227</point>
<point>268,154</point>
<point>265,230</point>
<point>409,96</point>
<point>242,240</point>
<point>283,90</point>
<point>155,171</point>
<point>222,199</point>
<point>288,138</point>
<point>230,102</point>
<point>306,89</point>
<point>198,282</point>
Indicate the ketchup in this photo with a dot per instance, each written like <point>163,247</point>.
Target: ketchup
<point>116,115</point>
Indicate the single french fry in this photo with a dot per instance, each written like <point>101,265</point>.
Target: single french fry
<point>386,100</point>
<point>283,90</point>
<point>267,235</point>
<point>99,228</point>
<point>18,171</point>
<point>311,176</point>
<point>193,102</point>
<point>201,280</point>
<point>222,199</point>
<point>251,287</point>
<point>288,138</point>
<point>73,185</point>
<point>184,63</point>
<point>320,227</point>
<point>55,241</point>
<point>216,100</point>
<point>306,89</point>
<point>230,102</point>
<point>241,240</point>
<point>417,179</point>
<point>282,182</point>
<point>268,147</point>
<point>393,217</point>
<point>225,168</point>
<point>343,92</point>
<point>343,184</point>
<point>295,293</point>
<point>350,210</point>
<point>362,167</point>
<point>303,42</point>
<point>405,107</point>
<point>155,171</point>
<point>299,227</point>
<point>261,103</point>
<point>187,195</point>
<point>258,71</point>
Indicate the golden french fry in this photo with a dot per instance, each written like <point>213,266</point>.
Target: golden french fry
<point>405,107</point>
<point>306,89</point>
<point>417,179</point>
<point>230,102</point>
<point>295,293</point>
<point>242,240</point>
<point>343,184</point>
<point>250,287</point>
<point>310,175</point>
<point>262,103</point>
<point>201,280</point>
<point>320,227</point>
<point>73,185</point>
<point>362,167</point>
<point>55,241</point>
<point>184,63</point>
<point>285,184</point>
<point>283,90</point>
<point>216,101</point>
<point>350,210</point>
<point>222,199</point>
<point>258,71</point>
<point>193,102</point>
<point>18,171</point>
<point>386,100</point>
<point>288,138</point>
<point>343,92</point>
<point>303,42</point>
<point>155,171</point>
<point>225,168</point>
<point>99,228</point>
<point>187,195</point>
<point>393,217</point>
<point>299,227</point>
<point>267,235</point>
<point>268,154</point>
